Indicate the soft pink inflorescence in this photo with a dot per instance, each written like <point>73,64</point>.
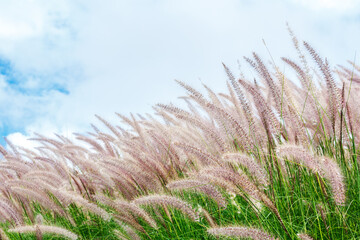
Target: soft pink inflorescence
<point>253,167</point>
<point>3,235</point>
<point>45,229</point>
<point>300,155</point>
<point>243,232</point>
<point>126,208</point>
<point>332,172</point>
<point>197,185</point>
<point>168,201</point>
<point>304,236</point>
<point>324,166</point>
<point>67,197</point>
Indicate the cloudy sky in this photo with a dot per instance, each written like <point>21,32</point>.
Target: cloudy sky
<point>63,61</point>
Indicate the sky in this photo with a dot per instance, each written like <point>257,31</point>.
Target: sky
<point>62,62</point>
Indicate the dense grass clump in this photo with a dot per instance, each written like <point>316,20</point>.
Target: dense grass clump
<point>273,158</point>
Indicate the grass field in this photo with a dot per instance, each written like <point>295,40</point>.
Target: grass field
<point>275,157</point>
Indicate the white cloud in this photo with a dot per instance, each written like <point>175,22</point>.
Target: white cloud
<point>336,5</point>
<point>21,140</point>
<point>21,19</point>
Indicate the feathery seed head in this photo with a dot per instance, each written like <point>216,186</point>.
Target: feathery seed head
<point>168,201</point>
<point>239,231</point>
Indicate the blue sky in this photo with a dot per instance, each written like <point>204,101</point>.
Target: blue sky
<point>62,62</point>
